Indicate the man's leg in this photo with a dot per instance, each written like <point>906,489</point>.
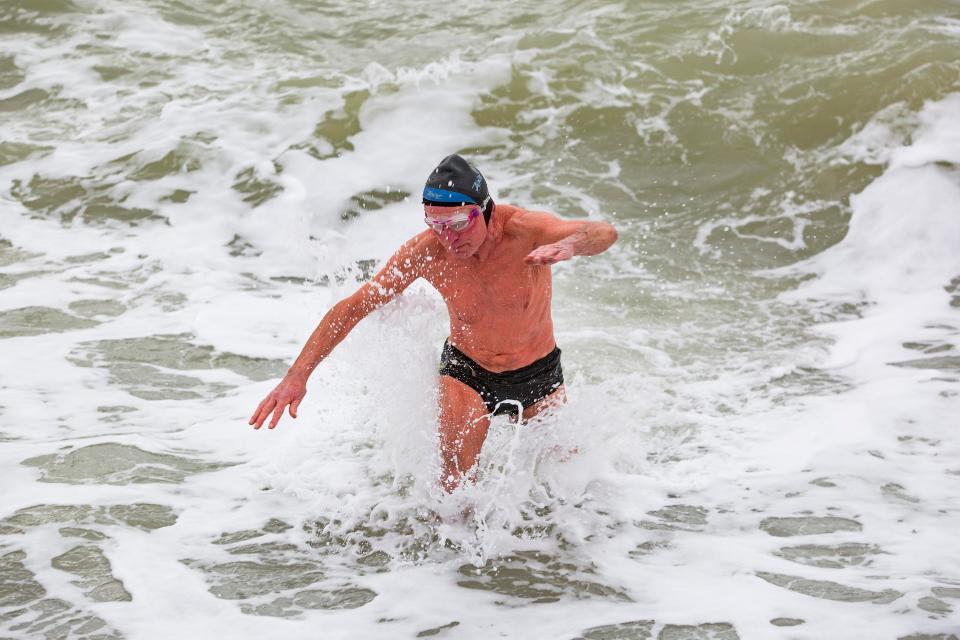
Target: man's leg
<point>555,399</point>
<point>463,428</point>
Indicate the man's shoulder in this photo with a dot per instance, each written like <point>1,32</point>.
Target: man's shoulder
<point>518,221</point>
<point>423,241</point>
<point>421,249</point>
<point>509,211</point>
<point>514,218</point>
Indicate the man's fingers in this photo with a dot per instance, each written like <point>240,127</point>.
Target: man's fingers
<point>293,407</point>
<point>277,414</point>
<point>547,254</point>
<point>263,411</point>
<point>259,409</point>
<point>536,258</point>
<point>256,412</point>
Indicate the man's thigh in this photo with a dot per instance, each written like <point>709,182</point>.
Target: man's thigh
<point>462,410</point>
<point>555,399</point>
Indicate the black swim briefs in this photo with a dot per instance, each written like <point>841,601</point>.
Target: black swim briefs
<point>502,392</point>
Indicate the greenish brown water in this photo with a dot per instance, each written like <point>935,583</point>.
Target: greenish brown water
<point>761,371</point>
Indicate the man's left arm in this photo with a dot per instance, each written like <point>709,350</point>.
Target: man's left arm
<point>556,239</point>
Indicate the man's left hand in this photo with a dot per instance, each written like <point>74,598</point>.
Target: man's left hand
<point>550,253</point>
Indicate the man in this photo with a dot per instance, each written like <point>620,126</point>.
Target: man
<point>490,263</point>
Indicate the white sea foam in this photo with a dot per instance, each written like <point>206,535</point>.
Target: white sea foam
<point>652,424</point>
<point>902,248</point>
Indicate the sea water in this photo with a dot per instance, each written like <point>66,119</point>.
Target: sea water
<point>761,434</point>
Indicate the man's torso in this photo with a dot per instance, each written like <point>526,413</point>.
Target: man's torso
<point>499,307</point>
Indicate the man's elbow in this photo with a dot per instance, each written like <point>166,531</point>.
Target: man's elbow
<point>609,234</point>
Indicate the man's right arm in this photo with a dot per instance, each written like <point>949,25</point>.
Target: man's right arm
<point>400,271</point>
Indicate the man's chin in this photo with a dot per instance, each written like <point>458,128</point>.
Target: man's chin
<point>461,253</point>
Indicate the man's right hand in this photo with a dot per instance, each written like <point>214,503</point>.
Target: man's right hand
<point>289,392</point>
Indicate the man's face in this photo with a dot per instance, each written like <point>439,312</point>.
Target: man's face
<point>465,242</point>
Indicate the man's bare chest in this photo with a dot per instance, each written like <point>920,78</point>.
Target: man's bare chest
<point>500,289</point>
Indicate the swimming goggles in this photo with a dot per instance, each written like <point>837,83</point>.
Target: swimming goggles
<point>457,223</point>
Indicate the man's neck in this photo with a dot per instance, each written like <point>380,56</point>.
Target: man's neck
<point>494,232</point>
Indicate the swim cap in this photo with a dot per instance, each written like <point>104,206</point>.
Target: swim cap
<point>454,183</point>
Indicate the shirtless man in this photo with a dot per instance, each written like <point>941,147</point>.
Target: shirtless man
<point>491,264</point>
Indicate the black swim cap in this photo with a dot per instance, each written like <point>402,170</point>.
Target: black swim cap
<point>454,183</point>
